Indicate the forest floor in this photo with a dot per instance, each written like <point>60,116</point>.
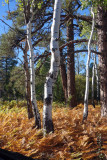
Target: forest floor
<point>72,139</point>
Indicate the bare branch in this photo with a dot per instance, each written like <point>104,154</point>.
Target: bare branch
<point>75,41</point>
<point>77,51</point>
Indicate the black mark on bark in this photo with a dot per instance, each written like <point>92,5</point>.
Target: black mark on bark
<point>47,100</point>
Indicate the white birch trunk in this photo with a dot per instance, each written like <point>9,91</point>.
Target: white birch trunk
<point>32,72</point>
<point>85,112</point>
<point>32,77</point>
<point>93,81</point>
<point>53,72</point>
<point>27,82</point>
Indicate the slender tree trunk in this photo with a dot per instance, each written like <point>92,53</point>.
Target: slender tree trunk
<point>28,14</point>
<point>27,83</point>
<point>102,44</point>
<point>85,112</point>
<point>53,72</point>
<point>6,71</point>
<point>71,65</point>
<point>63,75</point>
<point>32,78</point>
<point>78,65</point>
<point>97,79</point>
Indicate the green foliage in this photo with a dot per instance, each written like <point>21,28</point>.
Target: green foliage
<point>10,88</point>
<point>17,83</point>
<point>9,41</point>
<point>13,84</point>
<point>12,106</point>
<point>69,4</point>
<point>40,5</point>
<point>80,87</point>
<point>95,3</point>
<point>6,44</point>
<point>7,1</point>
<point>79,62</point>
<point>40,77</point>
<point>69,100</point>
<point>86,30</point>
<point>85,3</point>
<point>21,5</point>
<point>3,4</point>
<point>58,94</point>
<point>6,66</point>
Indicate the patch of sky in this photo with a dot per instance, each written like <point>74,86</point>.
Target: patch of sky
<point>4,9</point>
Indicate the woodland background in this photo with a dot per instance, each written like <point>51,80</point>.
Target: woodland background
<point>72,139</point>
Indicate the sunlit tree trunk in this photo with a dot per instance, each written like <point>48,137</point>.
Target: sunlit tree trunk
<point>28,14</point>
<point>93,81</point>
<point>27,82</point>
<point>85,112</point>
<point>53,72</point>
<point>102,45</point>
<point>32,78</point>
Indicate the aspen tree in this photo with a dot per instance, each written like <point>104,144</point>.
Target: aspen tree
<point>32,71</point>
<point>53,72</point>
<point>93,80</point>
<point>85,112</point>
<point>27,8</point>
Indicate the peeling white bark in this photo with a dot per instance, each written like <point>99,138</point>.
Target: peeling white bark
<point>27,81</point>
<point>93,80</point>
<point>53,72</point>
<point>85,112</point>
<point>32,74</point>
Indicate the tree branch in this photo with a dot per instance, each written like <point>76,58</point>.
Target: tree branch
<point>14,29</point>
<point>85,50</point>
<point>68,43</point>
<point>74,41</point>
